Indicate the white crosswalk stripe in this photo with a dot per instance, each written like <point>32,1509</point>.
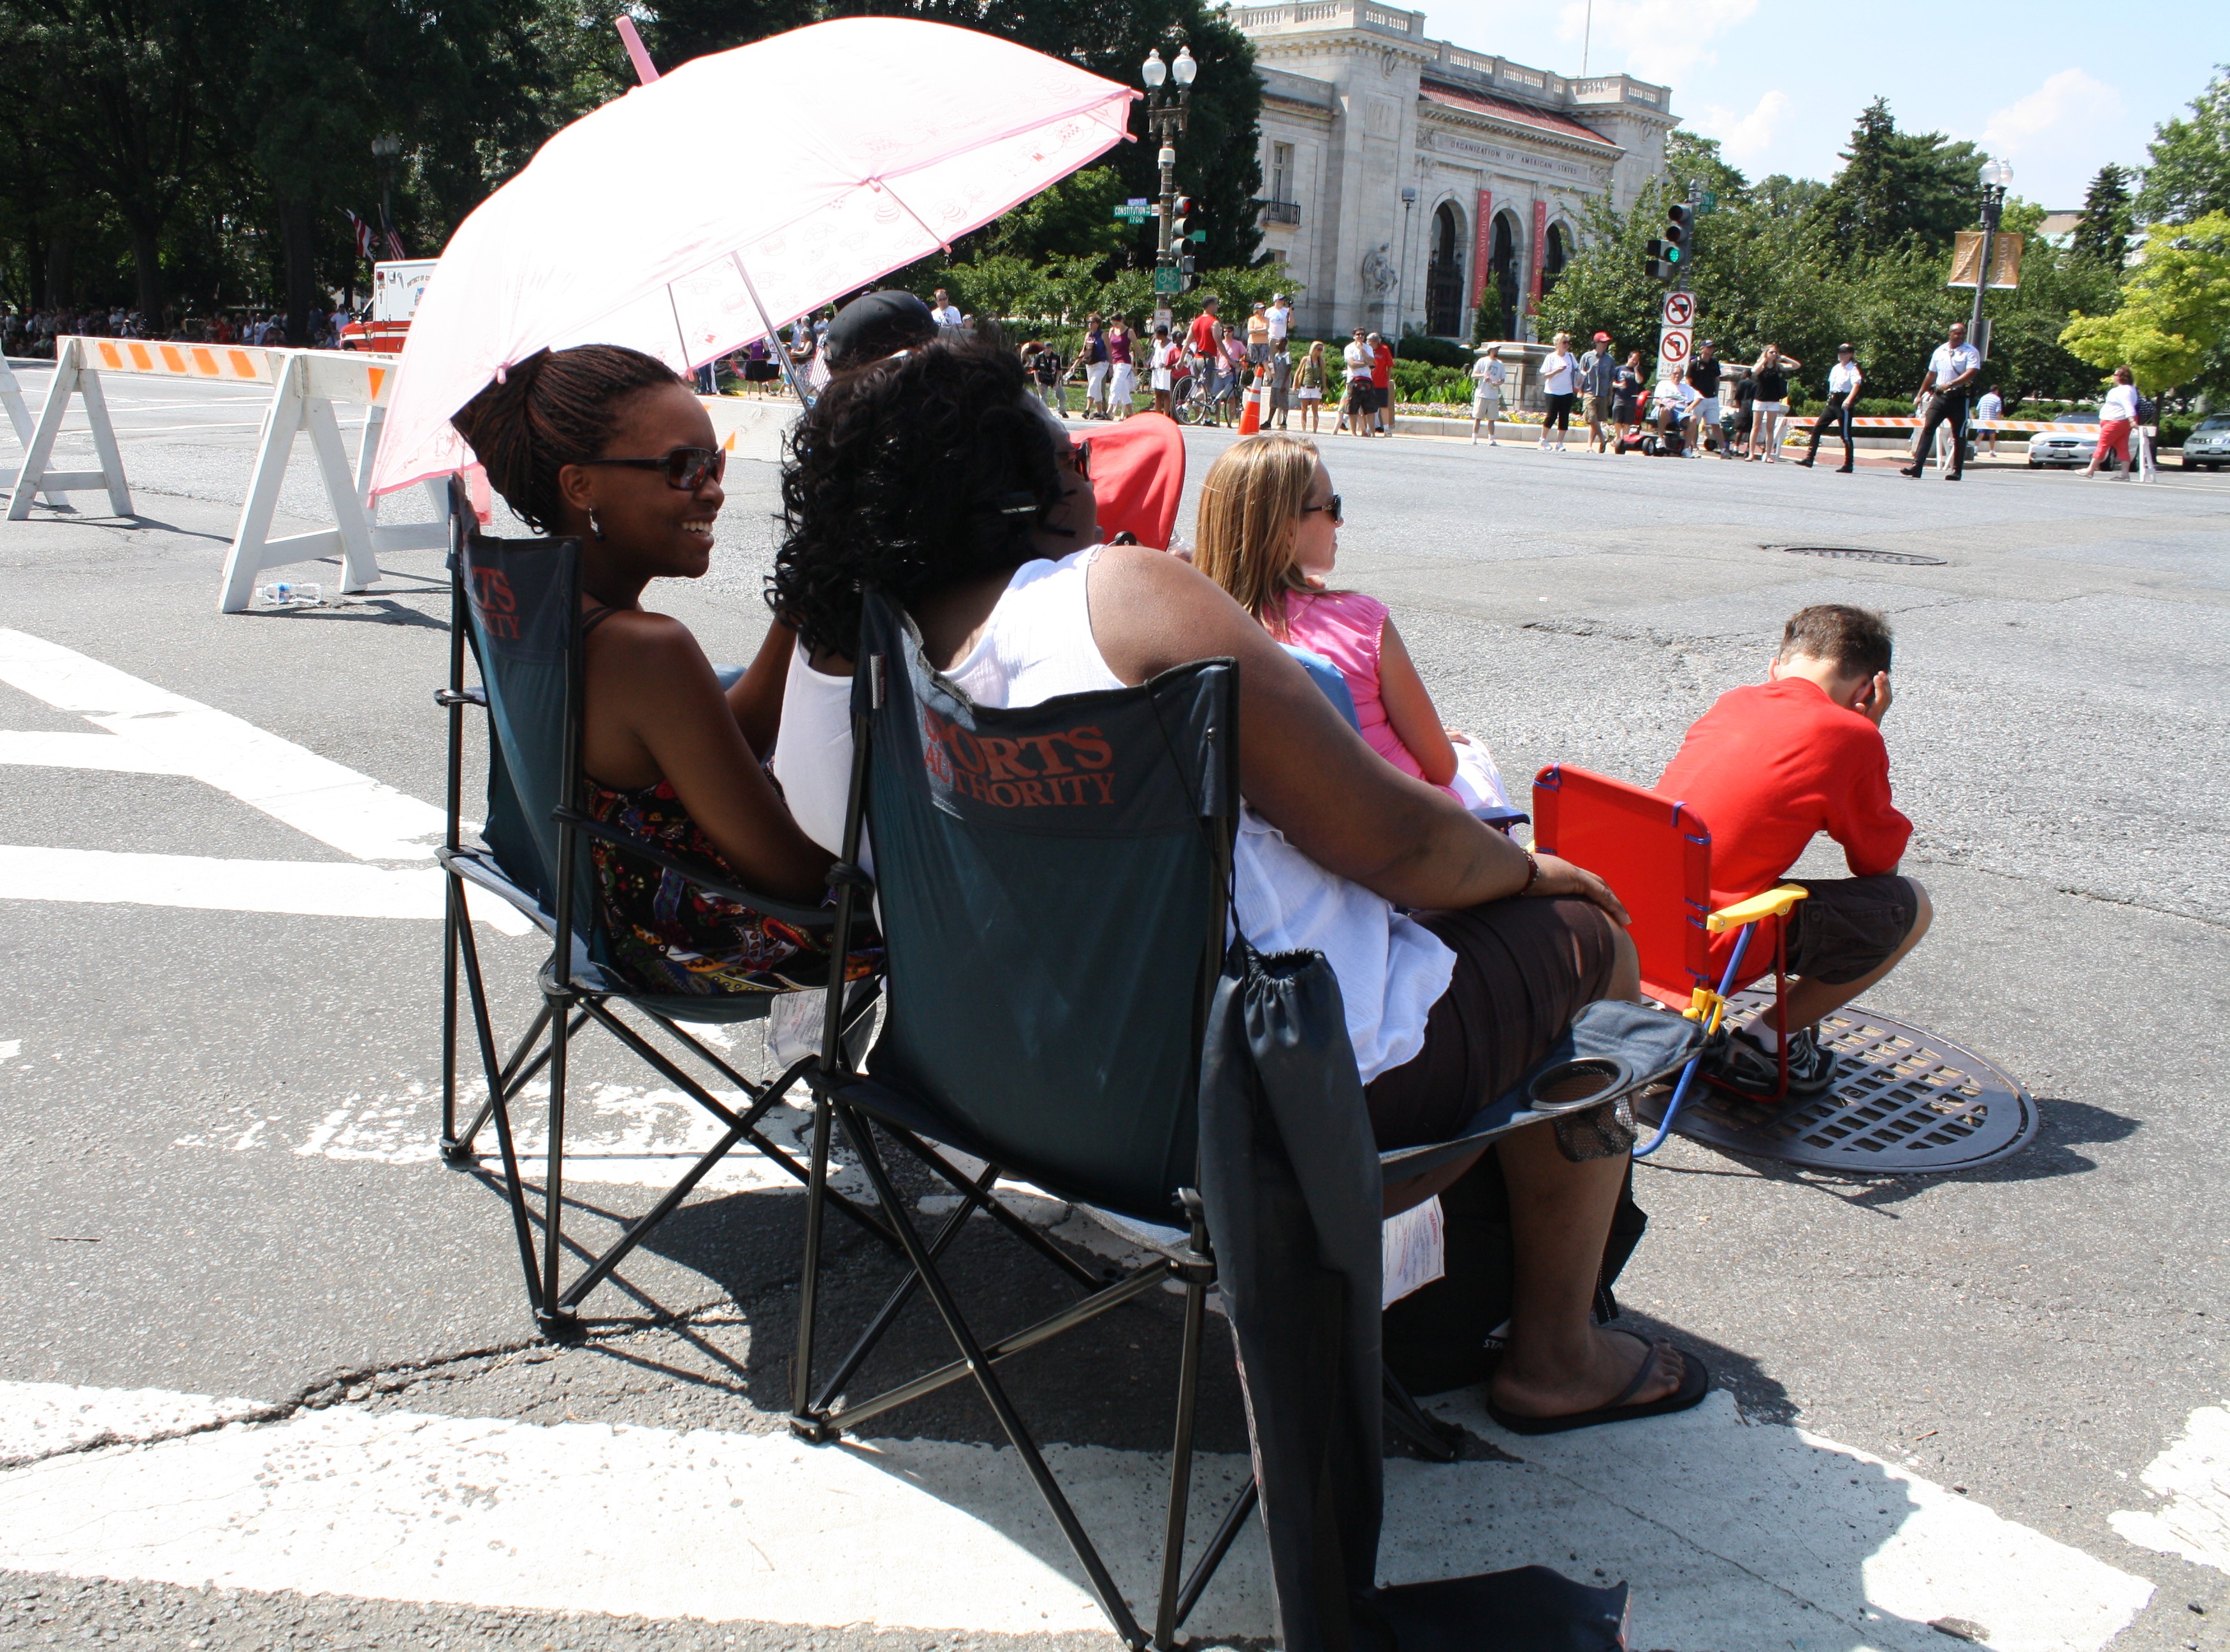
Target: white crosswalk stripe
<point>152,731</point>
<point>1736,1536</point>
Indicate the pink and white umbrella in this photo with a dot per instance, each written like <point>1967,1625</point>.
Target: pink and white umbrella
<point>741,190</point>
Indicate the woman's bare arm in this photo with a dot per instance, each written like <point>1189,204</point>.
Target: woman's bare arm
<point>756,697</point>
<point>656,711</point>
<point>1302,768</point>
<point>1410,709</point>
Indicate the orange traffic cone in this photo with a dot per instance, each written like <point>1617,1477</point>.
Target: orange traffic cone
<point>1250,416</point>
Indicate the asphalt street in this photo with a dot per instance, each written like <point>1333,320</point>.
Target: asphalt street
<point>263,1342</point>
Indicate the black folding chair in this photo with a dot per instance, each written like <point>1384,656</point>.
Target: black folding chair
<point>1053,885</point>
<point>519,603</point>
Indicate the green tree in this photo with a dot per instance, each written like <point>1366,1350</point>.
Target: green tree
<point>1899,183</point>
<point>678,30</point>
<point>2103,234</point>
<point>2188,173</point>
<point>2175,313</point>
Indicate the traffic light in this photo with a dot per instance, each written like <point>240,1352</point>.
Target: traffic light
<point>1668,258</point>
<point>1183,210</point>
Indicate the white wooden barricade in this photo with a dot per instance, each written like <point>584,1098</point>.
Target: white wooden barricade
<point>75,374</point>
<point>19,420</point>
<point>310,382</point>
<point>304,386</point>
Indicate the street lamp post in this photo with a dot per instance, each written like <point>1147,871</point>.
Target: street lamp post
<point>385,149</point>
<point>1166,109</point>
<point>1996,176</point>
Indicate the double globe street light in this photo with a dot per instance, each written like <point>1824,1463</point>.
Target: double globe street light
<point>1166,107</point>
<point>1996,178</point>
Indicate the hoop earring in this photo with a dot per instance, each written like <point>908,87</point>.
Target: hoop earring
<point>595,527</point>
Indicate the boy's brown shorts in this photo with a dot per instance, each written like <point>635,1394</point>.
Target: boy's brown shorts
<point>1846,927</point>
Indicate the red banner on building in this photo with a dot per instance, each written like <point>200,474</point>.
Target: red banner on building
<point>1540,239</point>
<point>1482,250</point>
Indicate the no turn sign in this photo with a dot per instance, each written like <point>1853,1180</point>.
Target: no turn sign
<point>1673,344</point>
<point>1679,309</point>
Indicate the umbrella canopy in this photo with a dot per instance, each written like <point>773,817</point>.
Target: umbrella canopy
<point>740,191</point>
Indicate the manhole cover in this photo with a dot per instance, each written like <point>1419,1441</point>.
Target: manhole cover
<point>1906,1103</point>
<point>1858,554</point>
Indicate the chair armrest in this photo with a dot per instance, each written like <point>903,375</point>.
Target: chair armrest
<point>789,911</point>
<point>1774,903</point>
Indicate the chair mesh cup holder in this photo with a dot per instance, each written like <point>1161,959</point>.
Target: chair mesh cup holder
<point>1586,1081</point>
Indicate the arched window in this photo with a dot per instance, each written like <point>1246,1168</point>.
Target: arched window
<point>1503,266</point>
<point>1555,254</point>
<point>1444,274</point>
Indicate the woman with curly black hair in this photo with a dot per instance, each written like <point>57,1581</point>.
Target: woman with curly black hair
<point>607,446</point>
<point>932,477</point>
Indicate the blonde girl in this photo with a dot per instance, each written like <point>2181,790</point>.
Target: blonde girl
<point>1268,532</point>
<point>1309,386</point>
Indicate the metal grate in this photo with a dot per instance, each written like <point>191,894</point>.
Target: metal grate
<point>1860,553</point>
<point>1906,1103</point>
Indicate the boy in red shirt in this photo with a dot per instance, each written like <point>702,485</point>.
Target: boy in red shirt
<point>1765,769</point>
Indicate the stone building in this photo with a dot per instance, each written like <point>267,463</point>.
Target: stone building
<point>1400,172</point>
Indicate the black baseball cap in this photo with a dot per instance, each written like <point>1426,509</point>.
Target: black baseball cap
<point>879,325</point>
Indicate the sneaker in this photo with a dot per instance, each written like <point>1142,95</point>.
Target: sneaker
<point>1743,1066</point>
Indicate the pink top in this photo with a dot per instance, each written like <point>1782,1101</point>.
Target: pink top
<point>1346,627</point>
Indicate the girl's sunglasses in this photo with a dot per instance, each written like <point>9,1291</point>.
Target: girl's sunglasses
<point>687,468</point>
<point>1337,520</point>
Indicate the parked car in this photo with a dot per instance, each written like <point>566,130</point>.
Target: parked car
<point>2208,444</point>
<point>2064,447</point>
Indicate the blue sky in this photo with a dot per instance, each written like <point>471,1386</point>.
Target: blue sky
<point>2054,87</point>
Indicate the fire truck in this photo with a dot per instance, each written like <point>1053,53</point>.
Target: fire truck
<point>395,289</point>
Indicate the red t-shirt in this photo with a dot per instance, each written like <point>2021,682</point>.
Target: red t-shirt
<point>1381,366</point>
<point>1203,334</point>
<point>1768,767</point>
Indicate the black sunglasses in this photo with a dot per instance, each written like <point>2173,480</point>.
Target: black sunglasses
<point>686,469</point>
<point>1337,520</point>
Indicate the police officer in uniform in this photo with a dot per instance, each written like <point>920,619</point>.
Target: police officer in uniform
<point>1952,371</point>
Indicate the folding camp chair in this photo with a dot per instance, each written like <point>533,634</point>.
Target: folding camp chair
<point>1053,885</point>
<point>1656,854</point>
<point>519,603</point>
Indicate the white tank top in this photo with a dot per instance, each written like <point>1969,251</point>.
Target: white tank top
<point>1039,643</point>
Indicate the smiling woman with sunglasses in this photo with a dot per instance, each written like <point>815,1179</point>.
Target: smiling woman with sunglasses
<point>606,445</point>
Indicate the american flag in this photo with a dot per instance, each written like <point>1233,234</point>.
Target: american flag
<point>366,242</point>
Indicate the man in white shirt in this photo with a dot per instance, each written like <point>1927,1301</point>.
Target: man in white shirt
<point>1675,402</point>
<point>1989,410</point>
<point>1357,357</point>
<point>942,311</point>
<point>1488,375</point>
<point>1843,381</point>
<point>1952,371</point>
<point>1281,320</point>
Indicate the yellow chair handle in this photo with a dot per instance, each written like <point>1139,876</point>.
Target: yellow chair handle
<point>1774,903</point>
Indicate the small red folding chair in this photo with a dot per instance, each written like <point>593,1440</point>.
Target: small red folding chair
<point>1656,855</point>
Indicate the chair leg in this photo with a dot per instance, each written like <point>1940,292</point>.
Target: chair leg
<point>556,1322</point>
<point>1234,1522</point>
<point>995,1393</point>
<point>895,1304</point>
<point>1196,1279</point>
<point>484,1035</point>
<point>999,1213</point>
<point>455,891</point>
<point>518,1071</point>
<point>802,1421</point>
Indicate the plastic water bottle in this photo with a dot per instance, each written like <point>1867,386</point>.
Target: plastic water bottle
<point>285,594</point>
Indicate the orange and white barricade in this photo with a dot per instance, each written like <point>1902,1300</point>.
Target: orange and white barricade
<point>305,385</point>
<point>1800,426</point>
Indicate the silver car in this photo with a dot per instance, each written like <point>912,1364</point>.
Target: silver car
<point>2064,447</point>
<point>2208,445</point>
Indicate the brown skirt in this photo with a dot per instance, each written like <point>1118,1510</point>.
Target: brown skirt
<point>1525,967</point>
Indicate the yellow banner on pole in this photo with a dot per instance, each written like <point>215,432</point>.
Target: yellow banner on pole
<point>1967,259</point>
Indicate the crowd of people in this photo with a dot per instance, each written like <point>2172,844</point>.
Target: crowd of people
<point>32,335</point>
<point>930,469</point>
